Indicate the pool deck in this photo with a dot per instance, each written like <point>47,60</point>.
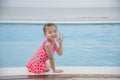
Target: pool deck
<point>71,70</point>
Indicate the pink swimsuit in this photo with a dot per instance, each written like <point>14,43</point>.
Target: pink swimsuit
<point>39,67</point>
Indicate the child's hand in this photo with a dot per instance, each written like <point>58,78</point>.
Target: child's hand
<point>58,71</point>
<point>60,38</point>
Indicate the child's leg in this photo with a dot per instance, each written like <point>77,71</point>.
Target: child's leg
<point>48,65</point>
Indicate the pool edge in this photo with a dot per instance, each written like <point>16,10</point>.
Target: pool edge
<point>90,72</point>
<point>64,22</point>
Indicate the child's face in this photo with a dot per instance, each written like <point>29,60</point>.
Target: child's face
<point>51,33</point>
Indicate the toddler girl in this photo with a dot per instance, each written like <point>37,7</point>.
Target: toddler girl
<point>43,58</point>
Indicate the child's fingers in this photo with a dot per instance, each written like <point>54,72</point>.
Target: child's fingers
<point>61,35</point>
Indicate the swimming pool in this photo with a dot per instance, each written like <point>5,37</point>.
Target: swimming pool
<point>84,44</point>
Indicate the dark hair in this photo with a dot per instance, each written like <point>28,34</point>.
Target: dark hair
<point>48,25</point>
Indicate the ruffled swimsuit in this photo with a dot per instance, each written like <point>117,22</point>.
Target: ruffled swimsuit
<point>39,67</point>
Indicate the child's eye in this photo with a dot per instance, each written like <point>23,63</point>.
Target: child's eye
<point>50,32</point>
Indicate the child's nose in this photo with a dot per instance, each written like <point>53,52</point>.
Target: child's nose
<point>53,33</point>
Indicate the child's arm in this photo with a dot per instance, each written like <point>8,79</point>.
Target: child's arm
<point>59,48</point>
<point>51,58</point>
<point>49,52</point>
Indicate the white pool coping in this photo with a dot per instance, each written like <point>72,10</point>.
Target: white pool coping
<point>69,22</point>
<point>17,71</point>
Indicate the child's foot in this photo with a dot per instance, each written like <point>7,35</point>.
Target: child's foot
<point>47,70</point>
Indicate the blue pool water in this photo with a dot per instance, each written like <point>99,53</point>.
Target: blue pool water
<point>84,44</point>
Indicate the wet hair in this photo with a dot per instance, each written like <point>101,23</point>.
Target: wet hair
<point>48,25</point>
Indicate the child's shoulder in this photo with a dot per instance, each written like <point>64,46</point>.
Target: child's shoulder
<point>47,43</point>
